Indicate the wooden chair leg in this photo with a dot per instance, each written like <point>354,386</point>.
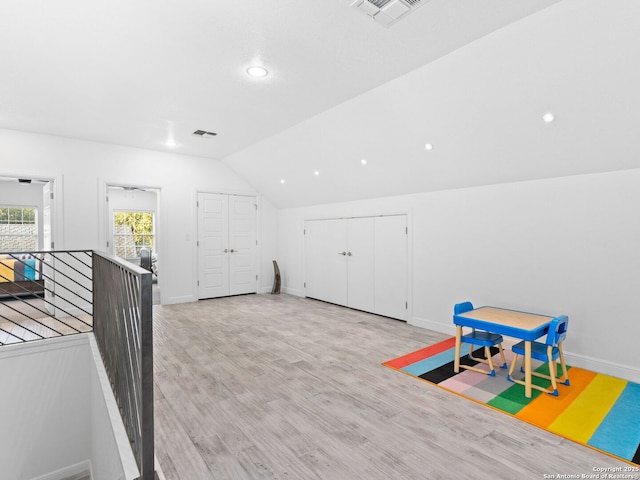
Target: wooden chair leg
<point>487,353</point>
<point>564,365</point>
<point>552,376</point>
<point>512,367</point>
<point>486,361</point>
<point>504,361</point>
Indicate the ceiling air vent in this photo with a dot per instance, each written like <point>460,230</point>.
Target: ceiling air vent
<point>204,133</point>
<point>387,12</point>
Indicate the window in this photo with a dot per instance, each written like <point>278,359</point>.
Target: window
<point>131,232</point>
<point>18,229</point>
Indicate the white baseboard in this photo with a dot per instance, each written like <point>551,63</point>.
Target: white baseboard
<point>182,299</point>
<point>431,325</point>
<point>78,468</point>
<point>603,366</point>
<point>293,291</point>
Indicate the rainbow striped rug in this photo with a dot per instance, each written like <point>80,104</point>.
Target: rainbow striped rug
<point>596,410</point>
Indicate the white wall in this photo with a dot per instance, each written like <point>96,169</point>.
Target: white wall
<point>48,435</point>
<point>110,450</point>
<point>132,200</point>
<point>82,169</point>
<point>61,416</point>
<point>481,107</point>
<point>567,245</point>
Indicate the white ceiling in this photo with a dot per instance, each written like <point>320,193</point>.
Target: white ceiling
<point>481,107</point>
<point>143,72</point>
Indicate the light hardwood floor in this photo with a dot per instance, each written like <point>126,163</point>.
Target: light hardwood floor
<point>276,386</point>
<point>15,314</point>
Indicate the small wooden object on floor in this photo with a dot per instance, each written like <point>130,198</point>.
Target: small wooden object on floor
<point>276,278</point>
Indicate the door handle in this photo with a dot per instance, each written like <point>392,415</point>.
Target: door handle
<point>348,254</point>
<point>226,250</point>
<point>342,253</point>
<point>232,250</point>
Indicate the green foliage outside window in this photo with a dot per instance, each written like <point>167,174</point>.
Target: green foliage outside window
<point>132,231</point>
<point>17,215</point>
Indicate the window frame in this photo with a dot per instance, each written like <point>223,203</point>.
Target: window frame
<point>35,223</point>
<point>135,245</point>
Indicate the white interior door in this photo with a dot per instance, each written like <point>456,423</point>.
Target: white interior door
<point>242,245</point>
<point>360,263</point>
<point>213,243</point>
<point>391,266</point>
<point>48,267</point>
<point>326,260</point>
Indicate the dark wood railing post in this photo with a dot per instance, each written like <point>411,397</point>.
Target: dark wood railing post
<point>146,332</point>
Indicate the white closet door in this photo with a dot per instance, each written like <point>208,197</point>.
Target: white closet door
<point>391,266</point>
<point>326,260</point>
<point>242,245</point>
<point>360,261</point>
<point>213,238</point>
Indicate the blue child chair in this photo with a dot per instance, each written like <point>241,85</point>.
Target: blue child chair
<point>481,339</point>
<point>549,352</point>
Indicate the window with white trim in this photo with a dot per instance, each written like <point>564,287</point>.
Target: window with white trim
<point>18,229</point>
<point>131,232</point>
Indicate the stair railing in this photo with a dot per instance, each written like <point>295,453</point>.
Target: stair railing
<point>122,302</point>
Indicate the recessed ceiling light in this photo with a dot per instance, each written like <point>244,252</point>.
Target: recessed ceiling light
<point>428,146</point>
<point>257,71</point>
<point>363,161</point>
<point>170,143</point>
<point>548,117</point>
<point>282,180</point>
<point>316,173</point>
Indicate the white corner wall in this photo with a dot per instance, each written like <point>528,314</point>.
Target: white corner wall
<point>81,170</point>
<point>49,433</point>
<point>567,245</point>
<point>111,456</point>
<point>60,414</point>
<point>267,244</point>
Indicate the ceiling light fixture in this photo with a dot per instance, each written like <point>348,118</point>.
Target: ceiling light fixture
<point>170,143</point>
<point>282,180</point>
<point>316,173</point>
<point>428,146</point>
<point>363,161</point>
<point>548,117</point>
<point>257,71</point>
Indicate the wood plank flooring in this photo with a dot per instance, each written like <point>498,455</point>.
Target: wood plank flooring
<point>17,326</point>
<point>281,387</point>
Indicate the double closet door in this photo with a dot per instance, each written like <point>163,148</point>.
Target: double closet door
<point>360,263</point>
<point>226,245</point>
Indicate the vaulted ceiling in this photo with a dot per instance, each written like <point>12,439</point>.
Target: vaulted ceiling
<point>149,73</point>
<point>144,72</point>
